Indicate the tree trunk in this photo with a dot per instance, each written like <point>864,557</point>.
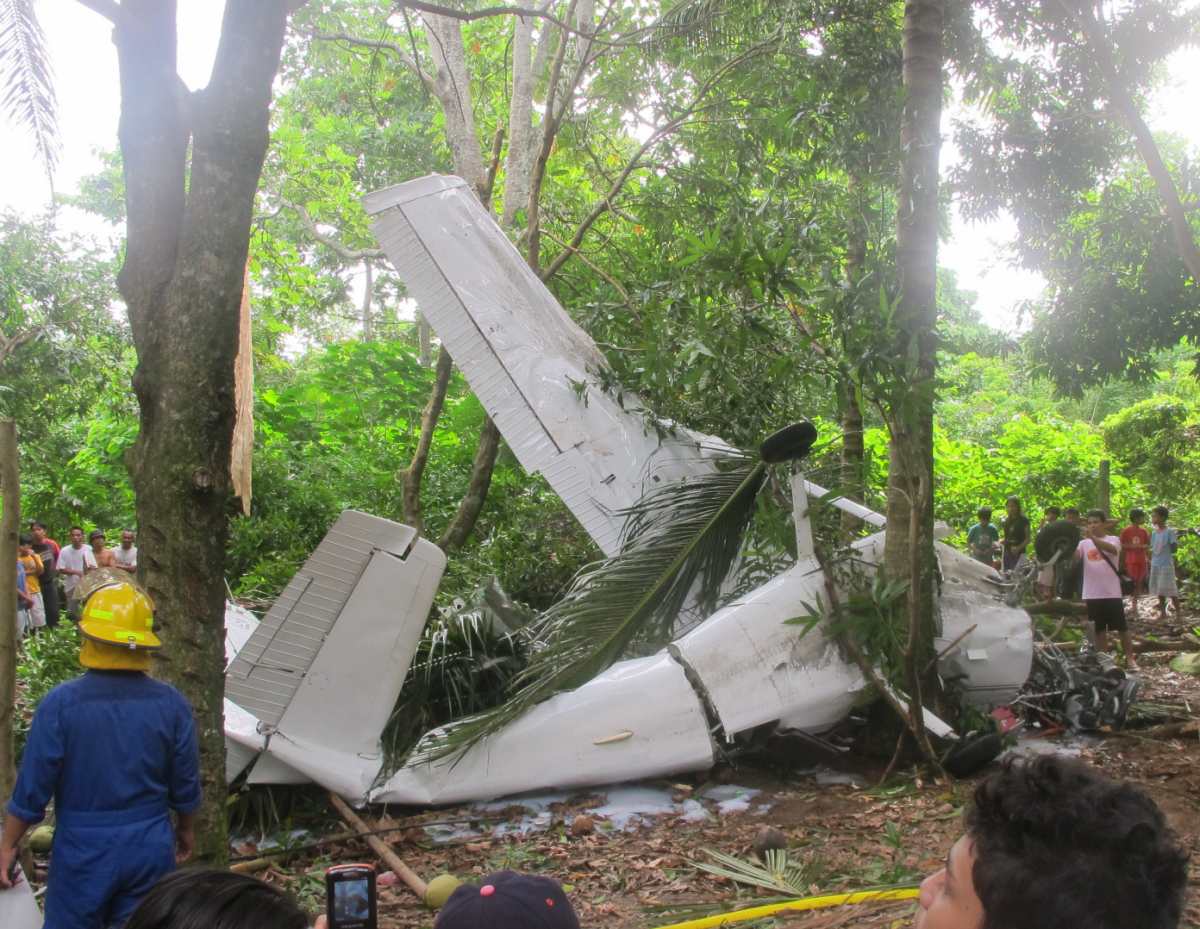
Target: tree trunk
<point>368,327</point>
<point>424,341</point>
<point>909,547</point>
<point>10,523</point>
<point>452,87</point>
<point>481,478</point>
<point>1122,100</point>
<point>853,457</point>
<point>188,237</point>
<point>429,420</point>
<point>521,138</point>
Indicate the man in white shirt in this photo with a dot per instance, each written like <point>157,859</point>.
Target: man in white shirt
<point>126,553</point>
<point>74,562</point>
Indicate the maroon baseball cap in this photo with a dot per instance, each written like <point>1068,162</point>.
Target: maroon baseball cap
<point>507,900</point>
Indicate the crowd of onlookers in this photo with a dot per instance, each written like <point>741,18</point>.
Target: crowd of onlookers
<point>48,574</point>
<point>1101,567</point>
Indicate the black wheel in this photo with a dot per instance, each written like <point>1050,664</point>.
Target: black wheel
<point>972,753</point>
<point>1060,535</point>
<point>791,443</point>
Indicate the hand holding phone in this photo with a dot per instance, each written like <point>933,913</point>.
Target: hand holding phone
<point>350,897</point>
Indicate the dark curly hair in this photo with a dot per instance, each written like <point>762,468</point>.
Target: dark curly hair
<point>1058,844</point>
<point>208,899</point>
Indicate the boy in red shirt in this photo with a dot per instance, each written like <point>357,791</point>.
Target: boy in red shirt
<point>1135,542</point>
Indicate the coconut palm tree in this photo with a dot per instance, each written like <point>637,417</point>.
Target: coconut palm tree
<point>26,84</point>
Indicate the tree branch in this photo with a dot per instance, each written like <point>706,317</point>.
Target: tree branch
<point>549,130</point>
<point>481,477</point>
<point>493,165</point>
<point>1123,102</point>
<point>605,203</point>
<point>378,45</point>
<point>612,281</point>
<point>9,345</point>
<point>342,251</point>
<point>468,16</point>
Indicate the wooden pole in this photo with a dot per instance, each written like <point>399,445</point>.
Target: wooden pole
<point>10,521</point>
<point>1104,495</point>
<point>379,847</point>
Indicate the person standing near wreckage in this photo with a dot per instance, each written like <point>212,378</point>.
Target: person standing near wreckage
<point>1100,554</point>
<point>117,752</point>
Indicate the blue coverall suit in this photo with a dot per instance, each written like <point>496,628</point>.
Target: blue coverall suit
<point>116,750</point>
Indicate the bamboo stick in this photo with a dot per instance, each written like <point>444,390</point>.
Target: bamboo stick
<point>379,847</point>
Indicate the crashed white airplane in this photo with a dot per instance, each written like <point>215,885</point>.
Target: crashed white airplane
<point>310,688</point>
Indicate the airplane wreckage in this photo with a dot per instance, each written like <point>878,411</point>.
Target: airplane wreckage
<point>310,688</point>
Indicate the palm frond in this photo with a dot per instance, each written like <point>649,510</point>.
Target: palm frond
<point>778,872</point>
<point>26,84</point>
<point>680,543</point>
<point>707,23</point>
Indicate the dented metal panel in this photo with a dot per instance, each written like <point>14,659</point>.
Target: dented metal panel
<point>640,718</point>
<point>757,669</point>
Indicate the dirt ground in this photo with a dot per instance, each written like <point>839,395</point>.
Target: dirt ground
<point>843,835</point>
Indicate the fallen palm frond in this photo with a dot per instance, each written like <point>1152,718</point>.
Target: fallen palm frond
<point>680,542</point>
<point>464,663</point>
<point>778,872</point>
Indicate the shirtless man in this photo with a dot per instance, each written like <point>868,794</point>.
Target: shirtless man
<point>105,557</point>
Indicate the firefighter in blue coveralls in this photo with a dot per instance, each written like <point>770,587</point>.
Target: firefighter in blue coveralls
<point>117,751</point>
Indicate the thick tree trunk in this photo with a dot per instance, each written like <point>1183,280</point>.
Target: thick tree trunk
<point>521,139</point>
<point>909,547</point>
<point>188,237</point>
<point>452,86</point>
<point>10,523</point>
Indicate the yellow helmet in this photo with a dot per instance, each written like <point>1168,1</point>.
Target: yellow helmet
<point>121,615</point>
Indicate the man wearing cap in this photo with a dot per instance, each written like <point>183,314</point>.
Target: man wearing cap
<point>507,900</point>
<point>100,551</point>
<point>117,752</point>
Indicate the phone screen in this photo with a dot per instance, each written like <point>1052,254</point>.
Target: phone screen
<point>351,901</point>
<point>351,898</point>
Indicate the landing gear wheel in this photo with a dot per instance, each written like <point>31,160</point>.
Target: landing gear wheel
<point>1062,535</point>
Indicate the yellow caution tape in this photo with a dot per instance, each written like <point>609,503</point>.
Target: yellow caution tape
<point>798,905</point>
